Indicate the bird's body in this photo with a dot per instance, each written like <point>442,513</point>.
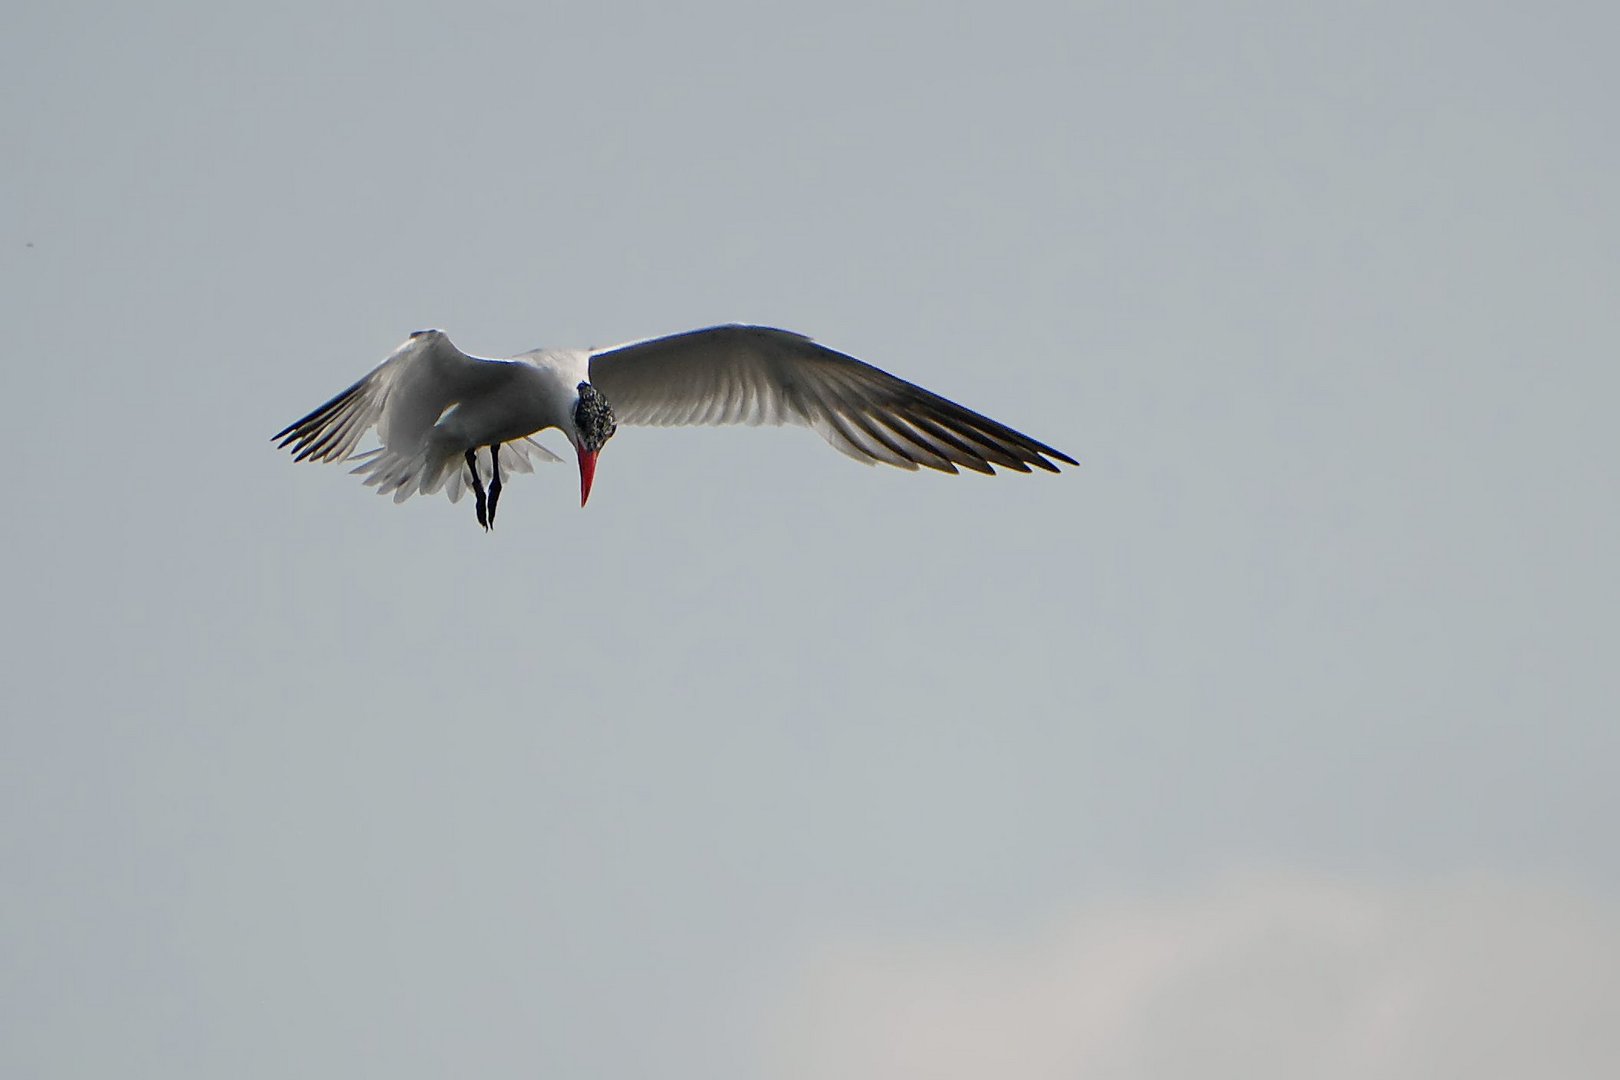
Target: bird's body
<point>434,407</point>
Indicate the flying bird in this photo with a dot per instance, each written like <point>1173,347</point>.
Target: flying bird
<point>436,410</point>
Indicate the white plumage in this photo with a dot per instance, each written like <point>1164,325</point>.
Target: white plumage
<point>434,406</point>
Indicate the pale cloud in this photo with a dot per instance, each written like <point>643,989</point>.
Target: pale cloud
<point>1272,976</point>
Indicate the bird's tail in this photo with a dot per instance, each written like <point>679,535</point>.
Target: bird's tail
<point>436,468</point>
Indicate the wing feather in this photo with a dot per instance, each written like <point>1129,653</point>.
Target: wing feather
<point>758,375</point>
<point>397,394</point>
<point>403,397</point>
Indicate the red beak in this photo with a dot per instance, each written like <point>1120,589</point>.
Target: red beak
<point>587,473</point>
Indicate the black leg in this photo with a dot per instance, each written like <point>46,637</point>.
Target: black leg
<point>494,481</point>
<point>478,487</point>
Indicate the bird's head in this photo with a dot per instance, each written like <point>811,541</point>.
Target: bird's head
<point>593,427</point>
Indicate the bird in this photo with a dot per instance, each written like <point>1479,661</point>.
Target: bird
<point>437,410</point>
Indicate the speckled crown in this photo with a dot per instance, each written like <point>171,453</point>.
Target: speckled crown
<point>593,416</point>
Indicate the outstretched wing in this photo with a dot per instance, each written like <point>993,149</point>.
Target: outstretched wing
<point>403,398</point>
<point>757,375</point>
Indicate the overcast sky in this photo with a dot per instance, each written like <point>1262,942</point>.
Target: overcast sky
<point>1275,740</point>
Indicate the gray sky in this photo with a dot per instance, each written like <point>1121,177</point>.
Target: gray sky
<point>1276,739</point>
